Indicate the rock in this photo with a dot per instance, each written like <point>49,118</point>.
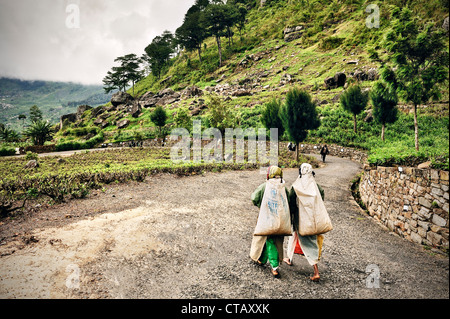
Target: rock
<point>97,111</point>
<point>81,109</point>
<point>70,118</point>
<point>32,164</point>
<point>191,91</point>
<point>123,123</point>
<point>241,92</point>
<point>438,220</point>
<point>372,74</point>
<point>165,92</point>
<point>134,109</point>
<point>360,75</point>
<point>369,116</point>
<point>353,62</point>
<point>287,78</point>
<point>121,98</point>
<point>340,79</point>
<point>293,36</point>
<point>424,165</point>
<point>292,33</point>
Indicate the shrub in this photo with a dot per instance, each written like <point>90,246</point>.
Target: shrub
<point>7,151</point>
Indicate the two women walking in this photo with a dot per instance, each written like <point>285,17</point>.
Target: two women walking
<point>307,216</point>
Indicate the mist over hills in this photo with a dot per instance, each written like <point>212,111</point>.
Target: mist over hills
<point>53,98</point>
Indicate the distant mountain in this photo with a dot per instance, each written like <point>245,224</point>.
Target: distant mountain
<point>53,98</point>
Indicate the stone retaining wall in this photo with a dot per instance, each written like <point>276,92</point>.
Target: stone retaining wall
<point>411,202</point>
<point>335,150</point>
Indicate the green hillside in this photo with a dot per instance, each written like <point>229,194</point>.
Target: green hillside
<point>286,44</point>
<point>53,98</point>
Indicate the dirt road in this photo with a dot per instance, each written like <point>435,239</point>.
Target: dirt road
<point>189,237</point>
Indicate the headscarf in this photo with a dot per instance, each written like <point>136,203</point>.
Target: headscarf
<point>274,171</point>
<point>306,184</point>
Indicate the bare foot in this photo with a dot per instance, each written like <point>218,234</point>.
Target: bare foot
<point>275,273</point>
<point>315,278</point>
<point>287,261</point>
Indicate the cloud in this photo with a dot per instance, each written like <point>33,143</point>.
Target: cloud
<point>41,40</point>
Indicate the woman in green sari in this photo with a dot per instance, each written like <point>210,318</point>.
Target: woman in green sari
<point>268,248</point>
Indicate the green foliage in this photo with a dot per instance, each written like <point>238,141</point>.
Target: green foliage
<point>7,151</point>
<point>220,114</point>
<point>299,115</point>
<point>39,132</point>
<point>159,51</point>
<point>31,156</point>
<point>271,116</point>
<point>8,135</point>
<point>159,117</point>
<point>35,114</point>
<point>354,100</point>
<point>384,105</point>
<point>330,43</point>
<point>420,58</point>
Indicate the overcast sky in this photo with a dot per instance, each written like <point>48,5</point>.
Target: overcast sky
<point>78,40</point>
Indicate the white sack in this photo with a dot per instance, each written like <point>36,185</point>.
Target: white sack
<point>313,218</point>
<point>274,215</point>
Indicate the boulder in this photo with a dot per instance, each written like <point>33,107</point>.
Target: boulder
<point>81,109</point>
<point>134,109</point>
<point>340,78</point>
<point>121,98</point>
<point>292,33</point>
<point>123,123</point>
<point>360,75</point>
<point>32,164</point>
<point>69,118</point>
<point>372,74</point>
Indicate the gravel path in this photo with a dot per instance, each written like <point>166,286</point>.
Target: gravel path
<point>189,237</point>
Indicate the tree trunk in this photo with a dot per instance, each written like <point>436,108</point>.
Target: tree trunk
<point>297,151</point>
<point>220,50</point>
<point>383,127</point>
<point>354,122</point>
<point>416,128</point>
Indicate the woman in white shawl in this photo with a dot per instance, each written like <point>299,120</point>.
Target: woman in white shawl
<point>310,201</point>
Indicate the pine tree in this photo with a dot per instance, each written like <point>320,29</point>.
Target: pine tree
<point>299,115</point>
<point>384,104</point>
<point>354,100</point>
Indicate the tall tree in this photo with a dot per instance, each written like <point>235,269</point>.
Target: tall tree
<point>299,115</point>
<point>35,114</point>
<point>130,66</point>
<point>384,103</point>
<point>271,117</point>
<point>354,100</point>
<point>214,21</point>
<point>419,59</point>
<point>192,33</point>
<point>160,51</point>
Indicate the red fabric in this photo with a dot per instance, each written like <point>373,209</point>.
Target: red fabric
<point>298,249</point>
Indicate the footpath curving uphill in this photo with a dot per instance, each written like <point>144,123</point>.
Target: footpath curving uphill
<point>189,237</point>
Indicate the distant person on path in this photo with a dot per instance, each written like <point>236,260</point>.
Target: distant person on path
<point>324,152</point>
<point>307,246</point>
<point>268,248</point>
